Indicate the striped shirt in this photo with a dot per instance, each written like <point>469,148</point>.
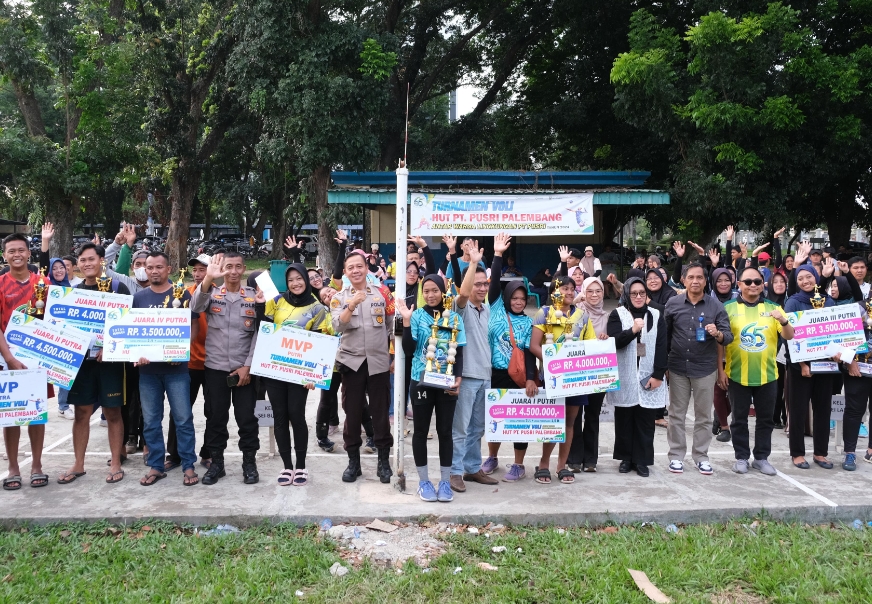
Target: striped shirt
<point>751,354</point>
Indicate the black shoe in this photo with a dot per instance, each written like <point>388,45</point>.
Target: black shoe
<point>383,470</point>
<point>369,447</point>
<point>642,471</point>
<point>215,471</point>
<point>778,426</point>
<point>353,470</point>
<point>716,427</point>
<point>249,468</point>
<point>625,467</point>
<point>724,436</point>
<point>327,445</point>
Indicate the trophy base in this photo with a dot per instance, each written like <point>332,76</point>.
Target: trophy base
<point>437,380</point>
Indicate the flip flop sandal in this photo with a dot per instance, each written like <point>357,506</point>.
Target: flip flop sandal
<point>150,479</point>
<point>70,477</point>
<point>169,464</point>
<point>111,478</point>
<point>566,476</point>
<point>186,481</point>
<point>541,474</point>
<point>301,478</point>
<point>10,480</point>
<point>286,478</point>
<point>38,480</point>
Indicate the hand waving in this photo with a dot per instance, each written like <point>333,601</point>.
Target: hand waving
<point>679,248</point>
<point>501,243</point>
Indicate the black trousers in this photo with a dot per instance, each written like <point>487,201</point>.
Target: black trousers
<point>131,413</point>
<point>780,416</point>
<point>328,410</point>
<point>763,399</point>
<point>198,378</point>
<point>500,379</point>
<point>289,412</point>
<point>585,440</point>
<point>356,385</point>
<point>243,399</point>
<point>818,388</point>
<point>424,402</point>
<point>634,434</point>
<point>857,392</point>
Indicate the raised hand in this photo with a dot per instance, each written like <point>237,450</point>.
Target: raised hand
<point>730,231</point>
<point>760,248</point>
<point>120,237</point>
<point>779,232</point>
<point>291,242</point>
<point>259,297</point>
<point>715,256</point>
<point>404,310</point>
<point>843,267</point>
<point>802,250</point>
<point>341,236</point>
<point>358,298</point>
<point>698,248</point>
<point>96,239</point>
<point>501,243</point>
<point>450,242</point>
<point>475,254</point>
<point>130,235</point>
<point>679,248</point>
<point>47,231</point>
<point>215,270</point>
<point>828,269</point>
<point>744,247</point>
<point>563,250</point>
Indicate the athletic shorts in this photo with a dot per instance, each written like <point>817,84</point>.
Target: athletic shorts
<point>98,384</point>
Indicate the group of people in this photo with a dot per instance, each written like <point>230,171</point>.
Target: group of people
<point>713,333</point>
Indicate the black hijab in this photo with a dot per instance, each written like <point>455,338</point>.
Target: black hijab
<point>665,292</point>
<point>511,288</point>
<point>307,297</point>
<point>637,313</point>
<point>440,283</point>
<point>779,299</point>
<point>252,279</point>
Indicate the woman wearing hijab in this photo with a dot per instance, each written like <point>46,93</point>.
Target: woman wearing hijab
<point>803,385</point>
<point>508,321</point>
<point>577,274</point>
<point>299,308</point>
<point>578,326</point>
<point>57,272</point>
<point>722,282</point>
<point>589,264</point>
<point>584,452</point>
<point>776,291</point>
<point>640,338</point>
<point>417,331</point>
<point>658,290</point>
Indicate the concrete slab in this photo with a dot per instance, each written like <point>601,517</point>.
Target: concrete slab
<point>814,495</point>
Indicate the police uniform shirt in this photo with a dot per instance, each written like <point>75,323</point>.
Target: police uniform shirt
<point>231,320</point>
<point>365,336</point>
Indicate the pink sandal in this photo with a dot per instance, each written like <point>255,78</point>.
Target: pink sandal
<point>301,478</point>
<point>286,478</point>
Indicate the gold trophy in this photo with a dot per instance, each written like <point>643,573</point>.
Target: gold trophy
<point>179,290</point>
<point>869,313</point>
<point>431,343</point>
<point>817,301</point>
<point>104,283</point>
<point>555,316</point>
<point>447,303</point>
<point>452,348</point>
<point>39,293</point>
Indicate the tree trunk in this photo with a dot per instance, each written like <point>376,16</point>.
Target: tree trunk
<point>838,229</point>
<point>63,216</point>
<point>207,220</point>
<point>327,248</point>
<point>186,181</point>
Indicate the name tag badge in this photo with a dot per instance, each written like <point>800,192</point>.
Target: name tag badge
<point>823,367</point>
<point>640,349</point>
<point>865,369</point>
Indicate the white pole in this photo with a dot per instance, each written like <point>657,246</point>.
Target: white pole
<point>399,355</point>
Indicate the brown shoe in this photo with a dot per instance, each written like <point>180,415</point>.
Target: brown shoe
<point>456,483</point>
<point>481,478</point>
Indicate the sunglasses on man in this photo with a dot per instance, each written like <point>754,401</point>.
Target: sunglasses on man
<point>750,282</point>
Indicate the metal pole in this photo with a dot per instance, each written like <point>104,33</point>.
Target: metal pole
<point>399,355</point>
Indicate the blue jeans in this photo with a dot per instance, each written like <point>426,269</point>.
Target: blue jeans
<point>63,405</point>
<point>177,387</point>
<point>468,427</point>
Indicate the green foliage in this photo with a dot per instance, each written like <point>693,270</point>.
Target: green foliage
<point>375,62</point>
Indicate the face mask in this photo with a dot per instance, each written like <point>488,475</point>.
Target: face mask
<point>140,274</point>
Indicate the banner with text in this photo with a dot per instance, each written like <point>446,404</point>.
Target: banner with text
<point>580,367</point>
<point>161,335</point>
<point>821,333</point>
<point>84,309</point>
<point>512,416</point>
<point>57,349</point>
<point>291,354</point>
<point>437,214</point>
<point>22,398</point>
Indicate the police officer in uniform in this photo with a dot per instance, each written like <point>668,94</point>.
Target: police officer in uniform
<point>359,314</point>
<point>231,315</point>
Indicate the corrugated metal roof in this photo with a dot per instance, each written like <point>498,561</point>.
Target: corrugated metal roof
<point>515,179</point>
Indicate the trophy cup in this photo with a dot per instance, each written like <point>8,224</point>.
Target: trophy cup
<point>817,301</point>
<point>447,303</point>
<point>555,316</point>
<point>179,290</point>
<point>39,292</point>
<point>104,283</point>
<point>869,313</point>
<point>431,344</point>
<point>452,349</point>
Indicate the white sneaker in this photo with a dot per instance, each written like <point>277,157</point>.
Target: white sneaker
<point>676,467</point>
<point>68,413</point>
<point>705,468</point>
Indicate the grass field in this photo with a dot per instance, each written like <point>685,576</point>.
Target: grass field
<point>739,562</point>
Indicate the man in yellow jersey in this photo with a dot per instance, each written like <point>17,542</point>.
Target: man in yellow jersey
<point>752,373</point>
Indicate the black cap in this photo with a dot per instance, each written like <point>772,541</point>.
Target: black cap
<point>815,251</point>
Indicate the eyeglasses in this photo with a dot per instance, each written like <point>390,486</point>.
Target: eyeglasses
<point>638,294</point>
<point>412,271</point>
<point>750,282</point>
<point>485,284</point>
